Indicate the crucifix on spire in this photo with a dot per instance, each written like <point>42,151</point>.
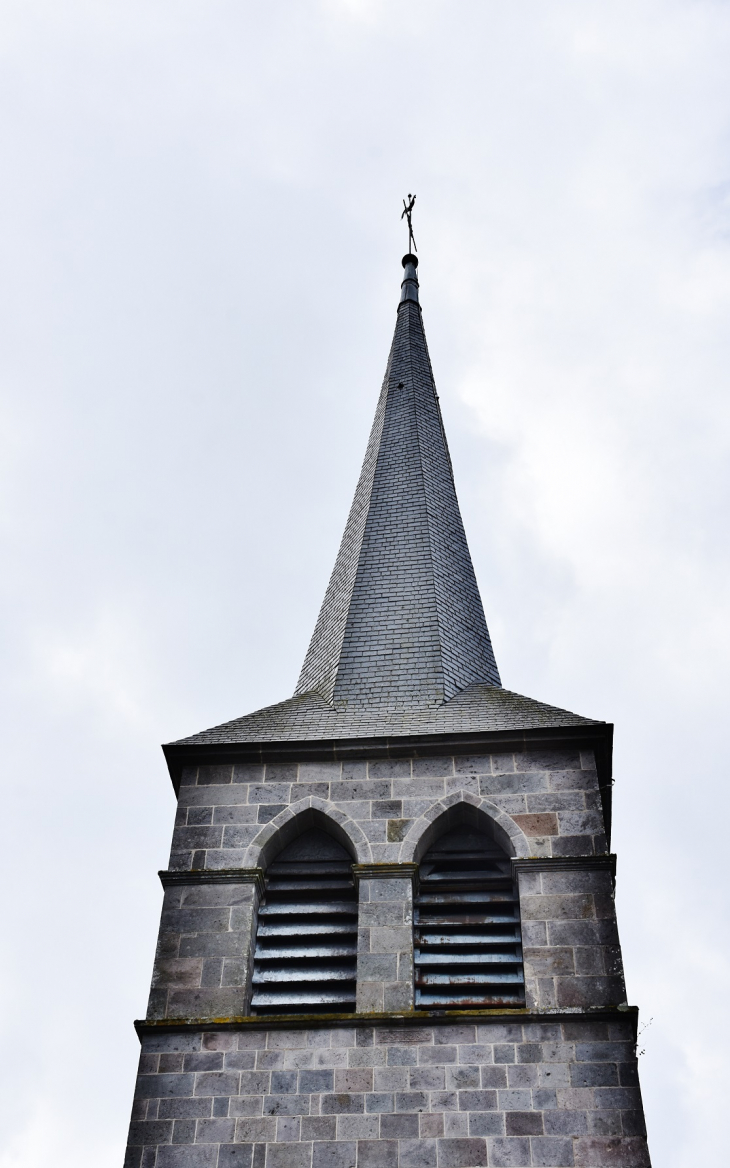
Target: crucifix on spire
<point>406,214</point>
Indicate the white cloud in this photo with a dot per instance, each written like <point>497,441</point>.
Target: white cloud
<point>200,241</point>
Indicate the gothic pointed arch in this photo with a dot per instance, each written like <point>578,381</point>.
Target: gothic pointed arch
<point>462,807</point>
<point>293,820</point>
<point>467,942</point>
<point>305,956</point>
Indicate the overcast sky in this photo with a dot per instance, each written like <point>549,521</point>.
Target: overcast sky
<point>200,263</point>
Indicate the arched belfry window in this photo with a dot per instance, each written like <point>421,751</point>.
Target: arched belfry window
<point>306,940</point>
<point>467,944</point>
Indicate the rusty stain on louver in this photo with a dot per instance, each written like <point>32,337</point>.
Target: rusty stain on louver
<point>468,950</point>
<point>306,941</point>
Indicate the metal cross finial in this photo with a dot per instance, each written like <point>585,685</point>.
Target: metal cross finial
<point>406,213</point>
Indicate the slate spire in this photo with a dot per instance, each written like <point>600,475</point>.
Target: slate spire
<point>402,624</point>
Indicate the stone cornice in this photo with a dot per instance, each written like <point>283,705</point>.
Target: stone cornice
<point>412,1018</point>
<point>604,863</point>
<point>385,872</point>
<point>255,876</point>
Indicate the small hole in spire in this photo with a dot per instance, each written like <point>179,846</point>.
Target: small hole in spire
<point>400,385</point>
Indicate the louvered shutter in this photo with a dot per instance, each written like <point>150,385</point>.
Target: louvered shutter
<point>306,941</point>
<point>467,944</point>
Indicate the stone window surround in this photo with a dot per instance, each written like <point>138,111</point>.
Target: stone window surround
<point>385,904</point>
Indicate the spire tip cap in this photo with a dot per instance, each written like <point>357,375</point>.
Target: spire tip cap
<point>410,259</point>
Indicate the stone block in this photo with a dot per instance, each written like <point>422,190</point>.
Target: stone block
<point>417,1154</point>
<point>288,1155</point>
<point>574,845</point>
<point>436,1055</point>
<point>594,1075</point>
<point>155,1131</point>
<point>204,1060</point>
<point>590,991</point>
<point>160,1086</point>
<point>379,1101</point>
<point>565,1123</point>
<point>627,1098</point>
<point>547,962</point>
<point>523,1123</point>
<point>475,764</point>
<point>463,1153</point>
<point>334,1154</point>
<point>431,1126</point>
<point>597,1152</point>
<point>445,1100</point>
<point>216,1083</point>
<point>342,1103</point>
<point>247,772</point>
<point>183,1131</point>
<point>312,772</point>
<point>354,1079</point>
<point>456,1124</point>
<point>398,995</point>
<point>486,1123</point>
<point>358,1127</point>
<point>477,1100</point>
<point>427,1078</point>
<point>187,1156</point>
<point>504,1052</point>
<point>494,1076</point>
<point>281,772</point>
<point>386,809</point>
<point>558,908</point>
<point>348,791</point>
<point>319,1127</point>
<point>411,1101</point>
<point>391,1079</point>
<point>548,1152</point>
<point>390,769</point>
<point>509,1152</point>
<point>523,1075</point>
<point>235,1155</point>
<point>315,1081</point>
<point>286,1105</point>
<point>398,1127</point>
<point>255,1131</point>
<point>514,1100</point>
<point>402,1056</point>
<point>184,1108</point>
<point>214,775</point>
<point>377,1154</point>
<point>544,823</point>
<point>215,1131</point>
<point>513,784</point>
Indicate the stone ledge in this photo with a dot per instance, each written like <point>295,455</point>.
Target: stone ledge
<point>255,876</point>
<point>406,871</point>
<point>394,1018</point>
<point>604,863</point>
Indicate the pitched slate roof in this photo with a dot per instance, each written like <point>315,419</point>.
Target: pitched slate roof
<point>308,717</point>
<point>402,621</point>
<point>401,646</point>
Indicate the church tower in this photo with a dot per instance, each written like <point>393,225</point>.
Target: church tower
<point>388,937</point>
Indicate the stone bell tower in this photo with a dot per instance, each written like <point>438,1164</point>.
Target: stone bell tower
<point>388,937</point>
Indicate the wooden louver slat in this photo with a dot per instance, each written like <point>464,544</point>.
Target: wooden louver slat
<point>468,948</point>
<point>306,941</point>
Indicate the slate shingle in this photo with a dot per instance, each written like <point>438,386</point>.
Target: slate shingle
<point>401,645</point>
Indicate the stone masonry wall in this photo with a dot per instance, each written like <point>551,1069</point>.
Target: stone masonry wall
<point>394,1096</point>
<point>231,820</point>
<point>501,1091</point>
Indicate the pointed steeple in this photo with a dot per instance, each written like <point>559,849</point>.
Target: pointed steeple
<point>402,623</point>
<point>401,646</point>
